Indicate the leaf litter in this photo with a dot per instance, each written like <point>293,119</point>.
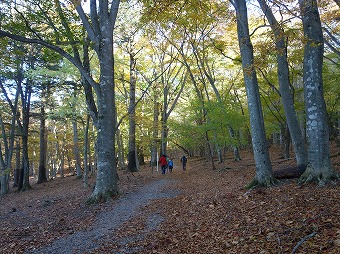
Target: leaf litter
<point>210,213</point>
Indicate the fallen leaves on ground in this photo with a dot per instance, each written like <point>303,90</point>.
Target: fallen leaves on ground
<point>213,213</point>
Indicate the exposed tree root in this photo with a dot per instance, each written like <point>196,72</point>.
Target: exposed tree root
<point>26,188</point>
<point>323,178</point>
<point>255,183</point>
<point>96,198</point>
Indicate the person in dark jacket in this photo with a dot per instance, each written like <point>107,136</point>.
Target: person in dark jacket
<point>184,162</point>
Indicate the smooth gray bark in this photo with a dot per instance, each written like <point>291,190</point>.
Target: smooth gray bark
<point>319,168</point>
<point>100,32</point>
<point>284,84</point>
<point>86,146</point>
<point>264,175</point>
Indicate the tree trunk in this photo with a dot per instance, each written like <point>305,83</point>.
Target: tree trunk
<point>285,87</point>
<point>8,140</point>
<point>120,152</point>
<point>287,145</point>
<point>24,183</point>
<point>319,168</point>
<point>164,136</point>
<point>210,153</point>
<point>164,130</point>
<point>236,151</point>
<point>107,178</point>
<point>42,177</point>
<point>26,101</point>
<point>4,169</point>
<point>132,163</point>
<point>62,162</point>
<point>86,145</point>
<point>264,174</point>
<point>17,164</point>
<point>155,128</point>
<point>76,151</point>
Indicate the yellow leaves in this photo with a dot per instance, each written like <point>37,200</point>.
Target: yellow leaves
<point>77,2</point>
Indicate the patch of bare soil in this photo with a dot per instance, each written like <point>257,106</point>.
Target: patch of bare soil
<point>55,209</point>
<point>212,214</point>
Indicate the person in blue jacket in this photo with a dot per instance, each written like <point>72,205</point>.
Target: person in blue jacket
<point>170,165</point>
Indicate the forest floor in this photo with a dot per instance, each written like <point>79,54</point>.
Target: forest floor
<point>209,211</point>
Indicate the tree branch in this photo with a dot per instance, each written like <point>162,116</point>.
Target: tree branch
<point>86,23</point>
<point>303,240</point>
<point>57,49</point>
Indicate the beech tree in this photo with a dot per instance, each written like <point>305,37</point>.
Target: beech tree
<point>284,84</point>
<point>128,39</point>
<point>42,176</point>
<point>319,168</point>
<point>264,174</point>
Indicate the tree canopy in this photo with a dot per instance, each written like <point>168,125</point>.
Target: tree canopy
<point>162,77</point>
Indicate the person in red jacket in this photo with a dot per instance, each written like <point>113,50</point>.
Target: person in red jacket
<point>163,162</point>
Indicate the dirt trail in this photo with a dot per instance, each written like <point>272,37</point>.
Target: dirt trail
<point>106,222</point>
<point>191,211</point>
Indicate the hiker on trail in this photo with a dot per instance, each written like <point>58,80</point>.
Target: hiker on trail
<point>184,162</point>
<point>170,165</point>
<point>163,162</point>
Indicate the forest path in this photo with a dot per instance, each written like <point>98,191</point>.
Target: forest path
<point>106,222</point>
<point>184,212</point>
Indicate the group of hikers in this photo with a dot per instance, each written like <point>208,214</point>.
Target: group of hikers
<point>167,163</point>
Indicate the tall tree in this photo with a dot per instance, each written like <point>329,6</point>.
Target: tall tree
<point>8,142</point>
<point>284,84</point>
<point>264,175</point>
<point>42,176</point>
<point>319,168</point>
<point>132,155</point>
<point>75,134</point>
<point>99,25</point>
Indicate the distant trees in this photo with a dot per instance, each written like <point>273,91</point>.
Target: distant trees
<point>164,80</point>
<point>99,27</point>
